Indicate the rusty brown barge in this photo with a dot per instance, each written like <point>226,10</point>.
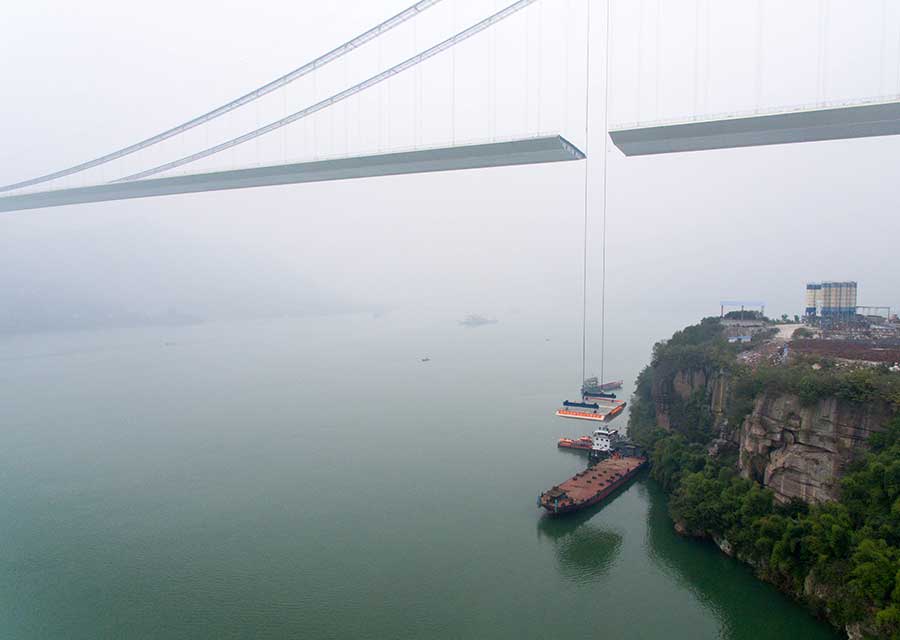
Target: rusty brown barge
<point>591,486</point>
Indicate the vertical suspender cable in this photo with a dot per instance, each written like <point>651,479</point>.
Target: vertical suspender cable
<point>696,56</point>
<point>453,81</point>
<point>387,90</point>
<point>883,47</point>
<point>380,100</point>
<point>346,113</point>
<point>898,61</point>
<point>540,61</point>
<point>415,90</point>
<point>706,75</point>
<point>640,58</point>
<point>819,51</point>
<point>760,17</point>
<point>658,53</point>
<point>527,32</point>
<point>605,191</point>
<point>567,20</point>
<point>492,111</point>
<point>825,51</point>
<point>494,78</point>
<point>587,120</point>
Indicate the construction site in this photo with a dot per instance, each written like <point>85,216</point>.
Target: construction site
<point>833,327</point>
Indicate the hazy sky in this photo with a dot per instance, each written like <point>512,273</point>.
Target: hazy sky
<point>684,231</point>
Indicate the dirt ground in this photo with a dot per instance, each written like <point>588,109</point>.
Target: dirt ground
<point>846,350</point>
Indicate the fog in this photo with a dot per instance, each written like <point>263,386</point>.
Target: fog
<point>684,231</point>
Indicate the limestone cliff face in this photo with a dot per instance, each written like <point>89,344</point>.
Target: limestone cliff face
<point>797,451</point>
<point>684,385</point>
<point>801,451</point>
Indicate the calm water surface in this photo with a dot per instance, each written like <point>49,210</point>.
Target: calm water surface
<point>313,479</point>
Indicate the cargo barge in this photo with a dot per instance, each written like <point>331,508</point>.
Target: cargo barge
<point>614,462</point>
<point>592,485</point>
<point>599,410</point>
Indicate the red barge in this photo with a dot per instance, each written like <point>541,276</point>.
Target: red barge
<point>592,485</point>
<point>617,461</point>
<point>599,410</point>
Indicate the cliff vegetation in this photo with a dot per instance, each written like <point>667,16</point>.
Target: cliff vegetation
<point>789,464</point>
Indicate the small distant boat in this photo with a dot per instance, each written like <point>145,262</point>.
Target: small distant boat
<point>590,395</point>
<point>426,359</point>
<point>594,386</point>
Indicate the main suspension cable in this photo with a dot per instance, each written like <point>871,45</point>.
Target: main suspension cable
<point>339,97</point>
<point>307,68</point>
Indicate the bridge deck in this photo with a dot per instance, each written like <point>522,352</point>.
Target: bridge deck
<point>833,123</point>
<point>495,154</point>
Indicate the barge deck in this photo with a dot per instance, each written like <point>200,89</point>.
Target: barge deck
<point>592,485</point>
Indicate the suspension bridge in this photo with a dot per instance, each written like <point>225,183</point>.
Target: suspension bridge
<point>186,172</point>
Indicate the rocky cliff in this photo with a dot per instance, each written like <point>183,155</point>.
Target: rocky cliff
<point>795,425</point>
<point>801,451</point>
<point>798,451</point>
<point>710,387</point>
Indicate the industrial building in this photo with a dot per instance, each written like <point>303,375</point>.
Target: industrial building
<point>832,300</point>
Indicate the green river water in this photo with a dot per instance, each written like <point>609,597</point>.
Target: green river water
<point>313,479</point>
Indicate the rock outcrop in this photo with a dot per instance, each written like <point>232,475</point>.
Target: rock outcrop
<point>684,385</point>
<point>797,451</point>
<point>801,451</point>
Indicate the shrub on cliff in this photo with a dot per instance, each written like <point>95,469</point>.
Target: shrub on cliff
<point>860,386</point>
<point>851,547</point>
<point>700,347</point>
<point>842,557</point>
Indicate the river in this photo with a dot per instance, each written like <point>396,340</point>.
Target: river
<point>313,478</point>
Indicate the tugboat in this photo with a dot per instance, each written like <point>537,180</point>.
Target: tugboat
<point>613,463</point>
<point>583,443</point>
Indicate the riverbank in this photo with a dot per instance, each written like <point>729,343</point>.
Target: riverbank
<point>791,465</point>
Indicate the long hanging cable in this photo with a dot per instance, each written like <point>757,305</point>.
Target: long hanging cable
<point>898,61</point>
<point>341,96</point>
<point>309,67</point>
<point>760,25</point>
<point>587,120</point>
<point>640,57</point>
<point>605,191</point>
<point>658,64</point>
<point>884,34</point>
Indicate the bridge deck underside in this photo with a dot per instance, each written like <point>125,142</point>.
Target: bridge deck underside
<point>496,154</point>
<point>858,121</point>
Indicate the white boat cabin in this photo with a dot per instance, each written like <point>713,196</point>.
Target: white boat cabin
<point>603,438</point>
